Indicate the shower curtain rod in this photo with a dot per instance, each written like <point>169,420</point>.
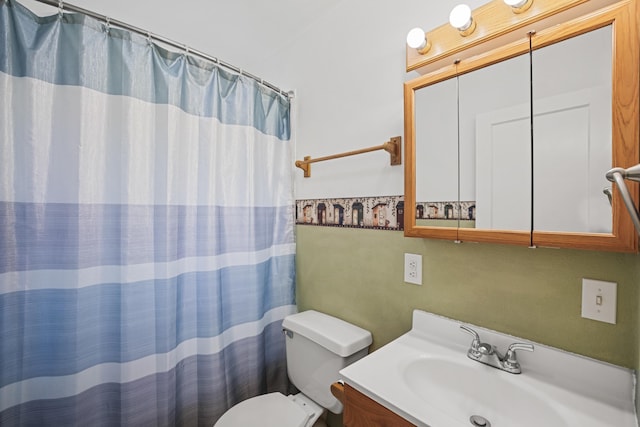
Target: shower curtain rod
<point>72,8</point>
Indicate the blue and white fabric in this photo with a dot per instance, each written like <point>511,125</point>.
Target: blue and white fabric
<point>147,253</point>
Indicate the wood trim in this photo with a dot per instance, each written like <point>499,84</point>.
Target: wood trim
<point>409,162</point>
<point>493,20</point>
<point>512,237</point>
<point>410,228</point>
<point>486,37</point>
<point>579,25</point>
<point>362,411</point>
<point>625,121</point>
<point>337,389</point>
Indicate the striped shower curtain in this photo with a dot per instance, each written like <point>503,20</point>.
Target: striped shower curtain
<point>146,229</point>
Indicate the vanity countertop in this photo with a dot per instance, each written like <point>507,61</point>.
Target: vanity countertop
<point>426,377</point>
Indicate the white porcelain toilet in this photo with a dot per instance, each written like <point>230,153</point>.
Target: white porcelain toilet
<point>318,346</point>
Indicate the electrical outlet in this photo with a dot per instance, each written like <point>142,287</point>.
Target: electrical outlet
<point>599,300</point>
<point>413,269</point>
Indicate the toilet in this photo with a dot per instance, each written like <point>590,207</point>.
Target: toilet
<point>317,347</point>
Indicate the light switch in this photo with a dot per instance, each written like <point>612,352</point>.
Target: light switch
<point>599,300</point>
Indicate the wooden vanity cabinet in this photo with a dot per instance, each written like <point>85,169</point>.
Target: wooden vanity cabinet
<point>361,411</point>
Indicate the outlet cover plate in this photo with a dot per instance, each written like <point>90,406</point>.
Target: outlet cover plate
<point>413,269</point>
<point>599,300</point>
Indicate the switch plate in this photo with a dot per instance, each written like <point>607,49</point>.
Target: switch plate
<point>599,300</point>
<point>413,269</point>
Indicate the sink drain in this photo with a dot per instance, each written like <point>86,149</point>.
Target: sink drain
<point>478,421</point>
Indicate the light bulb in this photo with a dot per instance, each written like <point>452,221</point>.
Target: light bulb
<point>416,38</point>
<point>519,6</point>
<point>460,17</point>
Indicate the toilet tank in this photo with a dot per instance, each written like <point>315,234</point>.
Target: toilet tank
<point>318,346</point>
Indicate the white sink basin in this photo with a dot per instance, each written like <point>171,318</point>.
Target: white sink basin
<point>472,388</point>
<point>426,377</point>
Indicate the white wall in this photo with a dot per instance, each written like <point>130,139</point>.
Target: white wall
<point>348,70</point>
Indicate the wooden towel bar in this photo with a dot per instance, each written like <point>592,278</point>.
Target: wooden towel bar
<point>393,147</point>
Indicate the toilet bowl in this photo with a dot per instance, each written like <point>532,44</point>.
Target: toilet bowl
<point>274,409</point>
<point>318,346</point>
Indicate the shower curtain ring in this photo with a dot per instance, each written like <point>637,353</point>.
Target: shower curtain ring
<point>60,8</point>
<point>107,24</point>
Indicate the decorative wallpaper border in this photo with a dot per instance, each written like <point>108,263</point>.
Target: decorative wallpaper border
<point>381,213</point>
<point>446,210</point>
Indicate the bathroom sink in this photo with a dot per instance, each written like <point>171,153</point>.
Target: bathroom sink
<point>471,388</point>
<point>426,377</point>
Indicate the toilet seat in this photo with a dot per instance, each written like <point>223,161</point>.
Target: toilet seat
<point>269,410</point>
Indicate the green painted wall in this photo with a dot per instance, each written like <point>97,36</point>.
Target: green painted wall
<point>637,396</point>
<point>357,275</point>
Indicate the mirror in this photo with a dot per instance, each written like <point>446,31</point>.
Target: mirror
<point>495,144</point>
<point>572,133</point>
<point>481,167</point>
<point>437,196</point>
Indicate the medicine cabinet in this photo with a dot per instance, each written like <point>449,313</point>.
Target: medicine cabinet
<point>511,145</point>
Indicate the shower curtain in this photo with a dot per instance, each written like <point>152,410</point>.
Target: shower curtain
<point>146,229</point>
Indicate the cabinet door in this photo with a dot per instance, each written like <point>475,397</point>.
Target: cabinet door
<point>572,82</point>
<point>361,411</point>
<point>495,141</point>
<point>585,121</point>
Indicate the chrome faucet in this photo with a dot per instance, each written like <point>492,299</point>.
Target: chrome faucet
<point>489,354</point>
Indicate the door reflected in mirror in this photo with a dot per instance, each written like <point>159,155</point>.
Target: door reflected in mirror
<point>572,88</point>
<point>495,144</point>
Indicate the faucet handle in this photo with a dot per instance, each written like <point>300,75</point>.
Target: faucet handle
<point>475,344</point>
<point>511,351</point>
<point>510,361</point>
<point>476,338</point>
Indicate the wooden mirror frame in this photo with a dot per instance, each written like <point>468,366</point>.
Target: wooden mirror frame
<point>623,17</point>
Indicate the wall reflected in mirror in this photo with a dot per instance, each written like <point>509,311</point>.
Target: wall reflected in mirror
<point>436,124</point>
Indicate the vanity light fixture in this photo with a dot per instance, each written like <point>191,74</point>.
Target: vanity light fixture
<point>461,19</point>
<point>417,39</point>
<point>519,6</point>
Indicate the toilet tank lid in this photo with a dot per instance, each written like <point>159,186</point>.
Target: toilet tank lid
<point>336,335</point>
